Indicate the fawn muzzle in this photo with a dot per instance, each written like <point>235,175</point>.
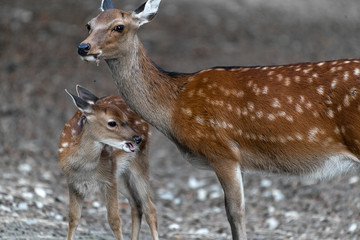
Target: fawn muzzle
<point>83,49</point>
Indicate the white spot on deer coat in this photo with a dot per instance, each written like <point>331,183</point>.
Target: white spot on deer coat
<point>271,117</point>
<point>320,90</point>
<point>65,144</point>
<point>312,134</point>
<point>276,103</point>
<point>357,71</point>
<point>346,100</point>
<point>186,111</point>
<point>333,83</point>
<point>299,108</point>
<point>265,90</point>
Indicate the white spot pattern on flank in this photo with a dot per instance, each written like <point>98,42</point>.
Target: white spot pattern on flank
<point>276,103</point>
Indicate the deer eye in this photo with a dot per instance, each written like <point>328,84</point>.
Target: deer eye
<point>119,28</point>
<point>112,124</point>
<point>88,27</point>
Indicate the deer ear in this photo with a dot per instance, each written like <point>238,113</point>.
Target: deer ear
<point>147,11</point>
<point>82,105</point>
<point>106,4</point>
<point>86,95</point>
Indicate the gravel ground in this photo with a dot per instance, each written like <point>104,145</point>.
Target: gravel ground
<point>38,61</point>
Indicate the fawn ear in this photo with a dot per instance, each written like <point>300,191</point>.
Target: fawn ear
<point>82,105</point>
<point>86,95</point>
<point>106,4</point>
<point>147,11</point>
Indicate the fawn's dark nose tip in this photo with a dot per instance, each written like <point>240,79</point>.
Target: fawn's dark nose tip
<point>83,49</point>
<point>137,139</point>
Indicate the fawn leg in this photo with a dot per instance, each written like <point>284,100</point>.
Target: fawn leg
<point>112,207</point>
<point>75,206</point>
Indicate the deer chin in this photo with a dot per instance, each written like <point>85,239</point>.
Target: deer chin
<point>92,58</point>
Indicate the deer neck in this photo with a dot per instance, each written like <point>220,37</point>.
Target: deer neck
<point>87,154</point>
<point>148,91</point>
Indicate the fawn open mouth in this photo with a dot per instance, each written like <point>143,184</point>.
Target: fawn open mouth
<point>130,146</point>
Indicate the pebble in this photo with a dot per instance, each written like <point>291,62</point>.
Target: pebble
<point>165,194</point>
<point>25,167</point>
<point>40,192</point>
<point>23,206</point>
<point>194,183</point>
<point>174,226</point>
<point>31,222</point>
<point>96,204</point>
<point>353,180</point>
<point>202,231</point>
<point>5,208</point>
<point>39,205</point>
<point>291,215</point>
<point>277,195</point>
<point>201,194</point>
<point>271,223</point>
<point>352,228</point>
<point>265,183</point>
<point>27,195</point>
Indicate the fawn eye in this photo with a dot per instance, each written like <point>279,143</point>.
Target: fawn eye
<point>112,124</point>
<point>119,28</point>
<point>88,27</point>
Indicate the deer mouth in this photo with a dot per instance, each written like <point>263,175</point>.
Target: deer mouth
<point>130,147</point>
<point>92,57</point>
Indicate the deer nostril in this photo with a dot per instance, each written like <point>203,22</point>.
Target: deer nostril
<point>137,139</point>
<point>83,49</point>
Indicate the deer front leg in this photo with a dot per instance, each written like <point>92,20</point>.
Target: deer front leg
<point>229,175</point>
<point>111,198</point>
<point>75,206</point>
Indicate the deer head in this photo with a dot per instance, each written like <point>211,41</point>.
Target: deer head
<point>114,30</point>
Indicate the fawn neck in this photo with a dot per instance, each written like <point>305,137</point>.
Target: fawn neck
<point>150,92</point>
<point>86,154</point>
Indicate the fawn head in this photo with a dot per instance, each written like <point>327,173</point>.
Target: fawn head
<point>104,123</point>
<point>112,32</point>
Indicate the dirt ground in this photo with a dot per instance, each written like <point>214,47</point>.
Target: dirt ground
<point>38,61</point>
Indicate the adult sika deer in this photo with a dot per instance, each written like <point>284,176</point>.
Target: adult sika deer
<point>106,143</point>
<point>300,119</point>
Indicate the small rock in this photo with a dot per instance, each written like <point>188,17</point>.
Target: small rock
<point>271,209</point>
<point>5,208</point>
<point>214,195</point>
<point>40,192</point>
<point>58,217</point>
<point>174,226</point>
<point>23,206</point>
<point>177,201</point>
<point>277,195</point>
<point>39,205</point>
<point>265,183</point>
<point>271,223</point>
<point>353,180</point>
<point>291,215</point>
<point>31,222</point>
<point>202,231</point>
<point>165,194</point>
<point>96,204</point>
<point>27,195</point>
<point>201,194</point>
<point>352,228</point>
<point>194,183</point>
<point>25,167</point>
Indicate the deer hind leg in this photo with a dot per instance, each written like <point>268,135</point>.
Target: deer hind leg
<point>75,206</point>
<point>230,177</point>
<point>110,193</point>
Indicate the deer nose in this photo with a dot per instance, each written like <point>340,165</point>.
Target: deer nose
<point>83,49</point>
<point>137,139</point>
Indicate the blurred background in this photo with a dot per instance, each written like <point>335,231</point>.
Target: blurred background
<point>38,60</point>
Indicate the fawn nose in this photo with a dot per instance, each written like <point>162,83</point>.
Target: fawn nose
<point>137,139</point>
<point>83,49</point>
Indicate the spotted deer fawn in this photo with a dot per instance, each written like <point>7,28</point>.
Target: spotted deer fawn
<point>103,145</point>
<point>300,119</point>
